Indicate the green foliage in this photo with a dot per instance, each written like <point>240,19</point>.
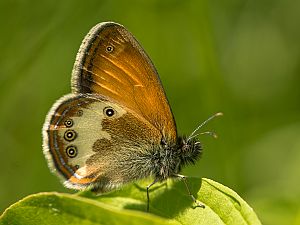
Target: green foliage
<point>170,204</point>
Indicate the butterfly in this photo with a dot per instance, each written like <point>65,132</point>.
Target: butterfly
<point>116,126</point>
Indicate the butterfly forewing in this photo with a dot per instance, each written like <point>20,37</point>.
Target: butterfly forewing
<point>112,63</point>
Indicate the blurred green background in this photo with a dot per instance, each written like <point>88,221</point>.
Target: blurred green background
<point>238,57</point>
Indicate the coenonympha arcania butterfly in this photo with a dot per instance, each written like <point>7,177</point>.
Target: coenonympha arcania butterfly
<point>116,126</point>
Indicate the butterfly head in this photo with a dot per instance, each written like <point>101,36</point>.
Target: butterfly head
<point>170,157</point>
<point>190,150</point>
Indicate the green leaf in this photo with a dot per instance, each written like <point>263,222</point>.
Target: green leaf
<point>169,204</point>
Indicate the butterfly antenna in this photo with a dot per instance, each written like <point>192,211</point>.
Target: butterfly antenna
<point>210,133</point>
<point>202,124</point>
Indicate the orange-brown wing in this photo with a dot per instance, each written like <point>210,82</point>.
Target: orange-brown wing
<point>112,63</point>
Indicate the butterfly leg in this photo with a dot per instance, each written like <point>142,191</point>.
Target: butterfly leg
<point>148,199</point>
<point>183,178</point>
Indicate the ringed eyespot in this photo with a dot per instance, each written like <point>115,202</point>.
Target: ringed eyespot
<point>70,135</point>
<point>71,151</point>
<point>68,123</point>
<point>109,48</point>
<point>108,111</point>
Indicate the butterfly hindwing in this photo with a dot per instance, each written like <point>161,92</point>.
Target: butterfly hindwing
<point>92,141</point>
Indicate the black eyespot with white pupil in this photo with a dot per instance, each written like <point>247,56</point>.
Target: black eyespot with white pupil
<point>68,123</point>
<point>70,135</point>
<point>71,151</point>
<point>109,48</point>
<point>108,111</point>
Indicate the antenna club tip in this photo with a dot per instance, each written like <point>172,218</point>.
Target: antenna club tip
<point>215,136</point>
<point>219,114</point>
